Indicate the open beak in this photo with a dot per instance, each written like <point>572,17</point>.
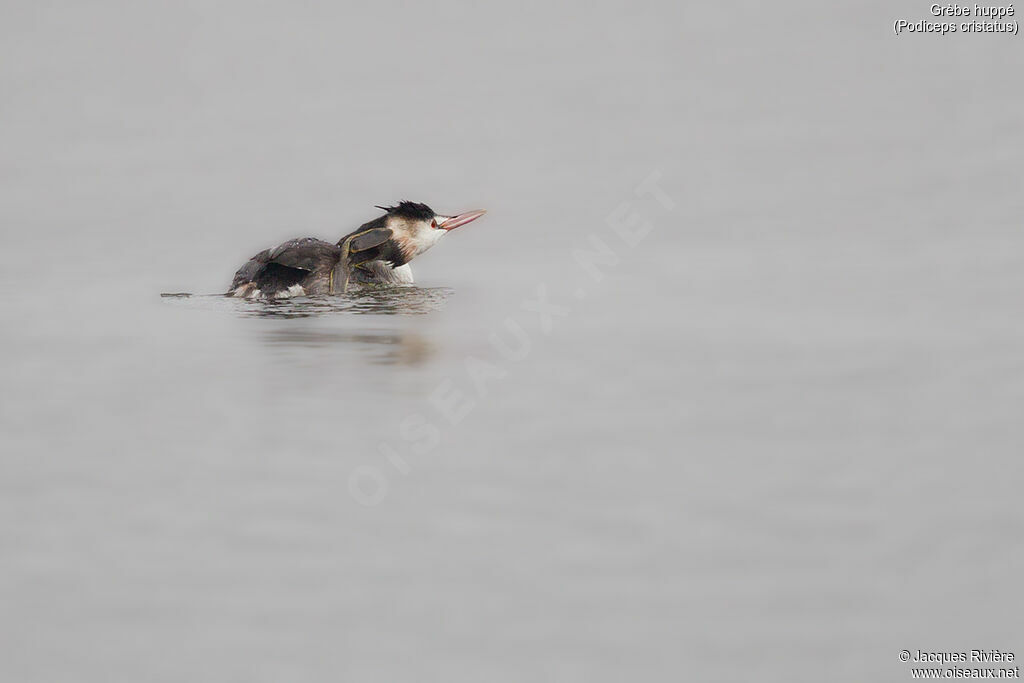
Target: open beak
<point>452,222</point>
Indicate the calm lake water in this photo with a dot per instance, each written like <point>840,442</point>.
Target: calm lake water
<point>778,439</point>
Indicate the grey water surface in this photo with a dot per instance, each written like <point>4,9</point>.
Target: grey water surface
<point>769,427</point>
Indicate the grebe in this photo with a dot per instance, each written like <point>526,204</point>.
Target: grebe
<point>377,253</point>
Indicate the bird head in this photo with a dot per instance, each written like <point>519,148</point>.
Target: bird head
<point>416,227</point>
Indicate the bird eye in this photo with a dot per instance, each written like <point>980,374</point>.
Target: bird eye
<point>433,223</point>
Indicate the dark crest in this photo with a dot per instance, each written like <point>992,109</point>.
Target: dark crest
<point>412,210</point>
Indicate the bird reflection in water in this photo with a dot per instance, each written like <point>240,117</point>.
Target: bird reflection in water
<point>381,347</point>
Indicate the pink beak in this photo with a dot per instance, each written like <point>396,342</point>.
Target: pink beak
<point>463,218</point>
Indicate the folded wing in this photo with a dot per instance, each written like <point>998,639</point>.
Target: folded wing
<point>306,262</point>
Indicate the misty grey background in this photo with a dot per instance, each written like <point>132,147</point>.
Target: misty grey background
<point>780,441</point>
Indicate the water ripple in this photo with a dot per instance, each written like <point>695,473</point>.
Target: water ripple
<point>382,301</point>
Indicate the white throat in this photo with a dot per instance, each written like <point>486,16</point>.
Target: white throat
<point>425,239</point>
<point>416,237</point>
